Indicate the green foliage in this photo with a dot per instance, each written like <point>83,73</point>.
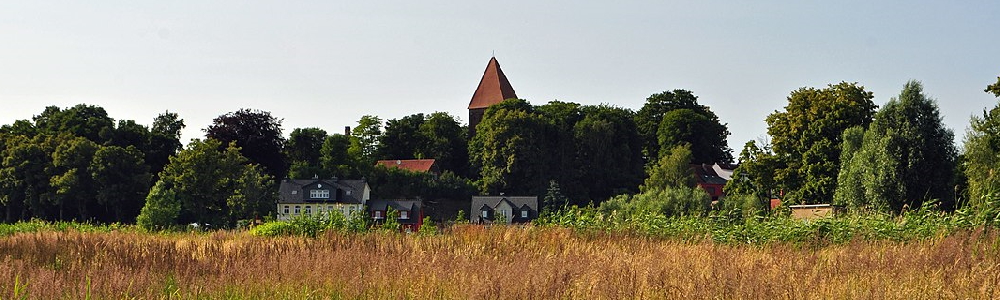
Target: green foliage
<point>365,138</point>
<point>391,223</point>
<point>981,151</point>
<point>256,134</point>
<point>509,150</point>
<point>906,157</point>
<point>806,138</point>
<point>215,186</point>
<point>554,199</point>
<point>121,180</point>
<point>161,209</point>
<point>303,150</point>
<point>313,226</point>
<point>671,201</point>
<point>755,174</point>
<point>672,170</point>
<point>994,88</point>
<point>608,149</point>
<point>705,133</point>
<point>427,227</point>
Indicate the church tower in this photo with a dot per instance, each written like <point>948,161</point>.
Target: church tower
<point>493,89</point>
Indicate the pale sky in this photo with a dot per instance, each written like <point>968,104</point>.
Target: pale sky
<point>326,63</point>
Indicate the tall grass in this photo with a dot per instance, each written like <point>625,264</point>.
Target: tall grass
<point>473,262</point>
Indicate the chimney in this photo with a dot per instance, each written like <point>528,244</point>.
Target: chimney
<point>347,130</point>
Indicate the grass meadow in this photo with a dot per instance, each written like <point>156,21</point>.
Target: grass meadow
<point>474,262</point>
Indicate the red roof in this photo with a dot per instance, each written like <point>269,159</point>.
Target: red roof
<point>493,88</point>
<point>415,165</point>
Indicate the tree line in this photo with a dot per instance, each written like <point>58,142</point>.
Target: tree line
<point>828,145</point>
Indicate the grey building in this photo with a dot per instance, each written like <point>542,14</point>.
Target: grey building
<point>316,197</point>
<point>512,209</point>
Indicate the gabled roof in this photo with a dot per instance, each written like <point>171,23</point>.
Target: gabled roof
<point>493,87</point>
<point>414,165</point>
<point>291,190</point>
<point>705,174</point>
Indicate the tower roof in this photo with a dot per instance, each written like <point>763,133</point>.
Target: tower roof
<point>493,88</point>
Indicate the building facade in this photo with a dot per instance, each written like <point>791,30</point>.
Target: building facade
<point>503,209</point>
<point>319,197</point>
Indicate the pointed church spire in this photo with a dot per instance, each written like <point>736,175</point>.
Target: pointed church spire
<point>493,88</point>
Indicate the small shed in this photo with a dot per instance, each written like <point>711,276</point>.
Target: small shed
<point>813,211</point>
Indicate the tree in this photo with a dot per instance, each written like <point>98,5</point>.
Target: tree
<point>304,150</point>
<point>253,195</point>
<point>364,139</point>
<point>755,174</point>
<point>806,138</point>
<point>83,120</point>
<point>444,140</point>
<point>650,117</point>
<point>164,141</point>
<point>22,177</point>
<point>509,149</point>
<point>672,171</point>
<point>981,151</point>
<point>257,134</point>
<point>73,179</point>
<point>336,158</point>
<point>121,179</point>
<point>906,157</point>
<point>687,126</point>
<point>402,138</point>
<point>554,198</point>
<point>609,151</point>
<point>203,178</point>
<point>161,208</point>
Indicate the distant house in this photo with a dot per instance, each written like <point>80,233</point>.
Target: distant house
<point>512,209</point>
<point>316,197</point>
<point>410,212</point>
<point>413,165</point>
<point>713,178</point>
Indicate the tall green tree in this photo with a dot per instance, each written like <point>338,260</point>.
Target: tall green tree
<point>906,157</point>
<point>402,138</point>
<point>164,141</point>
<point>609,151</point>
<point>445,141</point>
<point>981,151</point>
<point>806,138</point>
<point>121,179</point>
<point>755,173</point>
<point>563,117</point>
<point>651,116</point>
<point>73,180</point>
<point>706,136</point>
<point>257,134</point>
<point>83,120</point>
<point>303,150</point>
<point>336,159</point>
<point>203,178</point>
<point>509,149</point>
<point>365,138</point>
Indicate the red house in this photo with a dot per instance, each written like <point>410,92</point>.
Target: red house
<point>713,178</point>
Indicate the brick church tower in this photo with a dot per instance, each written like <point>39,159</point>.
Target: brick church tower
<point>493,89</point>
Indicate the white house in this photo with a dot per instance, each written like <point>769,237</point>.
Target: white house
<point>317,197</point>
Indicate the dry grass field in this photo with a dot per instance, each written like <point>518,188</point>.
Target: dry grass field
<point>471,262</point>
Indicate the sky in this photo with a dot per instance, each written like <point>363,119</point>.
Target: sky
<point>327,63</point>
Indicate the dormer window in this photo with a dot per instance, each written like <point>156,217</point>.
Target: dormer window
<point>524,214</point>
<point>319,194</point>
<point>405,215</point>
<point>295,192</point>
<point>486,214</point>
<point>378,214</point>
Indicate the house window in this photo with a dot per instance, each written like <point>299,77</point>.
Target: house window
<point>286,209</point>
<point>405,215</point>
<point>320,194</point>
<point>308,209</point>
<point>486,214</point>
<point>348,192</point>
<point>296,209</point>
<point>295,192</point>
<point>378,214</point>
<point>524,214</point>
